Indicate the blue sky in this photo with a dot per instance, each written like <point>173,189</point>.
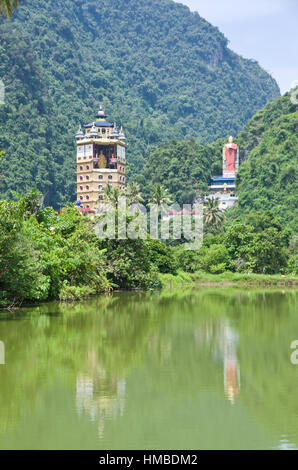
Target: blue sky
<point>264,30</point>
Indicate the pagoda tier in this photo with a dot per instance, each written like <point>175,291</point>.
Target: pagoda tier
<point>100,161</point>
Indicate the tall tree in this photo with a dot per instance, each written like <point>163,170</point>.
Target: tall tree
<point>213,216</point>
<point>112,195</point>
<point>160,197</point>
<point>133,193</point>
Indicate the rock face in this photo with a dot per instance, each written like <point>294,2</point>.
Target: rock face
<point>160,70</point>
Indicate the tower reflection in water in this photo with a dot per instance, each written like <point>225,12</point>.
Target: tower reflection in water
<point>100,395</point>
<point>223,342</point>
<point>231,365</point>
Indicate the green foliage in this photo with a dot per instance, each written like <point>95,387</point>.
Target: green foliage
<point>129,265</point>
<point>75,292</point>
<point>267,254</point>
<point>44,255</point>
<point>112,195</point>
<point>293,265</point>
<point>20,277</point>
<point>160,197</point>
<point>162,257</point>
<point>188,260</point>
<point>238,238</point>
<point>259,246</point>
<point>251,244</point>
<point>211,259</point>
<point>214,259</point>
<point>159,70</point>
<point>183,167</point>
<point>267,180</point>
<point>213,216</point>
<point>133,193</point>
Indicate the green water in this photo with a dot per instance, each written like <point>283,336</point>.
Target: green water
<point>205,368</point>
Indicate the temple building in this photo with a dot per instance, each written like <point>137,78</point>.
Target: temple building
<point>100,161</point>
<point>223,187</point>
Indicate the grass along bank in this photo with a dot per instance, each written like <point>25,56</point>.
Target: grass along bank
<point>227,278</point>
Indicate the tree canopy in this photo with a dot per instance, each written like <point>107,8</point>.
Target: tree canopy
<point>267,180</point>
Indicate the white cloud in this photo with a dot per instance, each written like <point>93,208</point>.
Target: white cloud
<point>225,11</point>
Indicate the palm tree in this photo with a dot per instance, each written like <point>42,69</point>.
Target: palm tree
<point>133,193</point>
<point>213,216</point>
<point>7,6</point>
<point>112,195</point>
<point>160,197</point>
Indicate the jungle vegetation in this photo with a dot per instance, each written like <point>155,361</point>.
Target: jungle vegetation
<point>178,90</point>
<point>48,255</point>
<point>267,180</point>
<point>159,70</point>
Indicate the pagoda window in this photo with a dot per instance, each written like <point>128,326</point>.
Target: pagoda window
<point>110,177</point>
<point>87,187</point>
<point>87,197</point>
<point>81,197</point>
<point>81,178</point>
<point>87,167</point>
<point>87,177</point>
<point>81,188</point>
<point>81,168</point>
<point>100,177</point>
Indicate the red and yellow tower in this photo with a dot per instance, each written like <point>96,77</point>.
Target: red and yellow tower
<point>100,161</point>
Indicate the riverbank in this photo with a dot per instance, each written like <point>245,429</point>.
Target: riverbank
<point>227,279</point>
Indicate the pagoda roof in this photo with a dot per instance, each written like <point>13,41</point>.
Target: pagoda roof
<point>99,124</point>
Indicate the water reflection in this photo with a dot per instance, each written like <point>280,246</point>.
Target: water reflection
<point>165,366</point>
<point>223,340</point>
<point>285,444</point>
<point>231,364</point>
<point>100,397</point>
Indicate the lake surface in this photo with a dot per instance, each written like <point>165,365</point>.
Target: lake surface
<point>205,368</point>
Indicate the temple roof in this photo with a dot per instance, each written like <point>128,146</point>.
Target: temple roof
<point>222,179</point>
<point>99,124</point>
